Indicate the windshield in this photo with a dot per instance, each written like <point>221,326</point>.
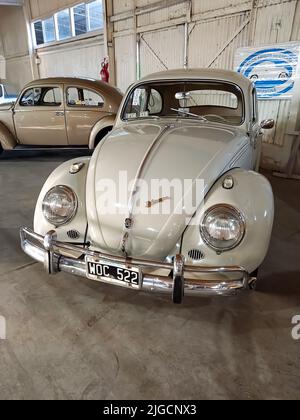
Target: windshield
<point>10,90</point>
<point>211,101</point>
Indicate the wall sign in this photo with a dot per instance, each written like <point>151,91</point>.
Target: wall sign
<point>272,68</point>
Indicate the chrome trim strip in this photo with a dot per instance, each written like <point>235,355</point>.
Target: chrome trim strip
<point>125,236</point>
<point>56,261</point>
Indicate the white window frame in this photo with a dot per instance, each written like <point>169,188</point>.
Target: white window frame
<point>34,34</point>
<point>73,20</point>
<point>43,26</point>
<point>88,15</point>
<point>56,18</point>
<point>90,33</point>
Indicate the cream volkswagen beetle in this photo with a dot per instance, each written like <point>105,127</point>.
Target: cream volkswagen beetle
<point>196,125</point>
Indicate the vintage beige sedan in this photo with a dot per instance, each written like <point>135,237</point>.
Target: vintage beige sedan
<point>171,201</point>
<point>59,112</point>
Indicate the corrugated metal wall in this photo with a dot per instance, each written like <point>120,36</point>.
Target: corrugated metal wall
<point>76,58</point>
<point>216,29</point>
<point>14,47</point>
<point>80,59</point>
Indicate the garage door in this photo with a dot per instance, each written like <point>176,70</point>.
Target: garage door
<point>162,50</point>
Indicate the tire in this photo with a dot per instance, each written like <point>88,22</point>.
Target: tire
<point>1,149</point>
<point>178,291</point>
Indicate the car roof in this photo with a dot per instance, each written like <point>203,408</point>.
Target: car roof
<point>206,74</point>
<point>102,87</point>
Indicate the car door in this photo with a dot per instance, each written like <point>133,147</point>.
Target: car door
<point>84,108</point>
<point>40,117</point>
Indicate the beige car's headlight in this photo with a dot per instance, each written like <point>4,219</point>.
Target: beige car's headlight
<point>223,227</point>
<point>60,205</point>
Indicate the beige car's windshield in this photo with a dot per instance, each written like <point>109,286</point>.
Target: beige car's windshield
<point>206,101</point>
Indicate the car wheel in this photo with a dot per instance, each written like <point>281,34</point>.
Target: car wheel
<point>178,290</point>
<point>1,149</point>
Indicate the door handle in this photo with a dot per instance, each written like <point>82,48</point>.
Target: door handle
<point>60,114</point>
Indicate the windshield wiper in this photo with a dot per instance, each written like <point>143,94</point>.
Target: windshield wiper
<point>181,111</point>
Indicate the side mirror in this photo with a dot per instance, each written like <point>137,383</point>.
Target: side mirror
<point>267,124</point>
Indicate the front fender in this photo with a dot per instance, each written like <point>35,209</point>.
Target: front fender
<point>101,125</point>
<point>62,176</point>
<point>7,140</point>
<point>252,195</point>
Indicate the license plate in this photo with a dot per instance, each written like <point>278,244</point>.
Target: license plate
<point>116,274</point>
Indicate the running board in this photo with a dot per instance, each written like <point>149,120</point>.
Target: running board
<point>48,148</point>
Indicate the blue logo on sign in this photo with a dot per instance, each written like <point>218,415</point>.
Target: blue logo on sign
<point>272,70</point>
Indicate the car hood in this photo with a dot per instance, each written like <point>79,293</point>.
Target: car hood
<point>185,150</point>
<point>5,106</point>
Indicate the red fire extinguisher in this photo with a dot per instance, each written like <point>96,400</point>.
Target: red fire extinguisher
<point>104,73</point>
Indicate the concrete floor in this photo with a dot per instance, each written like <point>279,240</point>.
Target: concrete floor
<point>69,338</point>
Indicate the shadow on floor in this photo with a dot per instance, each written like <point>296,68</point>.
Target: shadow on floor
<point>43,155</point>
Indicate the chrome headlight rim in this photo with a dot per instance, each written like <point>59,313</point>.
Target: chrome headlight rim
<point>240,217</point>
<point>71,216</point>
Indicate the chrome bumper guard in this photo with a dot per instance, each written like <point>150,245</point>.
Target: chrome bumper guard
<point>52,254</point>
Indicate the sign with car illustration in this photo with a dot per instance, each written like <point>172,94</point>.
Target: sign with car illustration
<point>273,68</point>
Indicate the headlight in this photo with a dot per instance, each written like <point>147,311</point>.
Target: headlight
<point>223,227</point>
<point>60,205</point>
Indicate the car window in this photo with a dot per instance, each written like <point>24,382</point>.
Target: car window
<point>52,97</point>
<point>10,90</point>
<point>45,96</point>
<point>84,97</point>
<point>211,98</point>
<point>1,91</point>
<point>215,101</point>
<point>27,98</point>
<point>145,102</point>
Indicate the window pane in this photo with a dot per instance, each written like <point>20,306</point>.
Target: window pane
<point>51,97</point>
<point>84,97</point>
<point>38,29</point>
<point>73,97</point>
<point>1,91</point>
<point>215,101</point>
<point>211,97</point>
<point>64,24</point>
<point>10,90</point>
<point>80,19</point>
<point>92,98</point>
<point>37,92</point>
<point>95,14</point>
<point>27,98</point>
<point>49,30</point>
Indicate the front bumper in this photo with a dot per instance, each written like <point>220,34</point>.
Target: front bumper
<point>58,256</point>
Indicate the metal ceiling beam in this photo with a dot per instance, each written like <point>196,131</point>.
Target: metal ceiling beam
<point>159,5</point>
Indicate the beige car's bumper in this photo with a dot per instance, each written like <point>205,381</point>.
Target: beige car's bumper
<point>177,281</point>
